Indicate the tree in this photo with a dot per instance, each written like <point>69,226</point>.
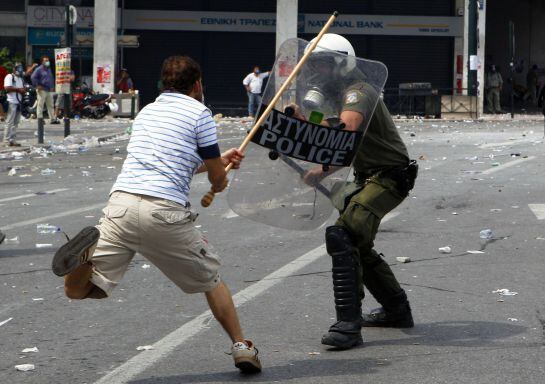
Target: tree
<point>7,61</point>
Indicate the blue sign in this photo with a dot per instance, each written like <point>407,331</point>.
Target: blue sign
<point>51,36</point>
<point>77,52</point>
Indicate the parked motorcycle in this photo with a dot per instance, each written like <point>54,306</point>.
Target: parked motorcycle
<point>91,105</point>
<point>29,102</point>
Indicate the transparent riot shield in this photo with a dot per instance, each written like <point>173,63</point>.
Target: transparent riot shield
<point>302,150</point>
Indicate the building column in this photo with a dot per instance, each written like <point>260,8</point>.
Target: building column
<point>481,39</point>
<point>460,50</point>
<point>105,46</point>
<point>286,21</point>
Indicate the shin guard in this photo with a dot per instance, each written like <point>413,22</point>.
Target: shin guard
<point>344,257</point>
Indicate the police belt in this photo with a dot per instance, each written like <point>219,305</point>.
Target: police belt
<point>404,176</point>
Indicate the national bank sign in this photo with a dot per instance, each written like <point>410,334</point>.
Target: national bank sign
<point>308,23</point>
<point>259,22</point>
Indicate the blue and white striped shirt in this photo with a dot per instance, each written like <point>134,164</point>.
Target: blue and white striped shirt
<point>162,155</point>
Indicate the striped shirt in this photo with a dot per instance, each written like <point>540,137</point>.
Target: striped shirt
<point>163,151</point>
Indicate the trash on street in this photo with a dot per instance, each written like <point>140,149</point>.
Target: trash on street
<point>144,347</point>
<point>505,292</point>
<point>25,367</point>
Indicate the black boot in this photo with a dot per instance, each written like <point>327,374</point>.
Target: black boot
<point>346,332</point>
<point>395,313</point>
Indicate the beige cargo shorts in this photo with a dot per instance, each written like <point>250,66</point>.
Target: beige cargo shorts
<point>160,230</point>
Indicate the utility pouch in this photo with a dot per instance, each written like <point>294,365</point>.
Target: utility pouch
<point>404,177</point>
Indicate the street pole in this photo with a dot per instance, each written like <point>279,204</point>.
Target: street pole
<point>512,67</point>
<point>543,118</point>
<point>68,97</point>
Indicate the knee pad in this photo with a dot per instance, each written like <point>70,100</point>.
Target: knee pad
<point>338,240</point>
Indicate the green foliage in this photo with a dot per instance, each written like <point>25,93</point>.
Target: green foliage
<point>7,61</point>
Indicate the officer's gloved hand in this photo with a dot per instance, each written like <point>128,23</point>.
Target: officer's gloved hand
<point>293,110</point>
<point>314,176</point>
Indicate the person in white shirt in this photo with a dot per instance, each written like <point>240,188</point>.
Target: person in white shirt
<point>253,84</point>
<point>172,139</point>
<point>13,83</point>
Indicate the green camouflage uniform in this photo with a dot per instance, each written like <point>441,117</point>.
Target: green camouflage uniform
<point>364,203</point>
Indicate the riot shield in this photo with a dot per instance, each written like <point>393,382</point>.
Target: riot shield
<point>303,133</point>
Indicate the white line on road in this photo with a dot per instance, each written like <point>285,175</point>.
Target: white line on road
<point>538,210</point>
<point>167,344</point>
<point>505,143</point>
<point>33,195</point>
<point>6,321</point>
<point>230,214</point>
<point>507,165</point>
<point>44,219</point>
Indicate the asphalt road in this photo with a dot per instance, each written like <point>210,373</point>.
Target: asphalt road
<point>464,332</point>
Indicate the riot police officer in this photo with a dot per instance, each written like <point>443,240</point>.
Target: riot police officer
<point>384,175</point>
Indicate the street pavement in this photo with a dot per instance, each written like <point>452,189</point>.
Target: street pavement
<point>473,176</point>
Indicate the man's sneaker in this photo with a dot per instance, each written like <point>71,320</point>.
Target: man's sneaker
<point>56,121</point>
<point>74,253</point>
<point>245,356</point>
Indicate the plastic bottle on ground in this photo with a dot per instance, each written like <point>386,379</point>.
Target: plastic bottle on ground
<point>13,241</point>
<point>47,228</point>
<point>48,172</point>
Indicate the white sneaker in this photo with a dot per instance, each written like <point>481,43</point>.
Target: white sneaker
<point>245,356</point>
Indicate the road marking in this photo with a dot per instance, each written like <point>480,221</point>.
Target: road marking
<point>230,214</point>
<point>33,195</point>
<point>6,321</point>
<point>507,165</point>
<point>44,219</point>
<point>538,210</point>
<point>505,143</point>
<point>139,363</point>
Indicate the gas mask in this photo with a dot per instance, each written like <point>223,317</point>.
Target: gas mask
<point>19,71</point>
<point>321,80</point>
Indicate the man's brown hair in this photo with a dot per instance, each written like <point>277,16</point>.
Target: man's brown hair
<point>180,73</point>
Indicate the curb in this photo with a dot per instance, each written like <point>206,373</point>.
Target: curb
<point>101,139</point>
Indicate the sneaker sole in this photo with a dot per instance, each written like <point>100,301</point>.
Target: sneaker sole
<point>68,257</point>
<point>248,365</point>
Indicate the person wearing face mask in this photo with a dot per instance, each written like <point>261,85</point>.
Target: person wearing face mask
<point>253,83</point>
<point>43,80</point>
<point>13,84</point>
<point>494,85</point>
<point>148,212</point>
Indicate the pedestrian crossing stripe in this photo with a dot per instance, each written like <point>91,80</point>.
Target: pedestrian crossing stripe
<point>538,210</point>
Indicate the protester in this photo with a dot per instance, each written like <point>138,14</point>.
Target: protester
<point>148,212</point>
<point>43,80</point>
<point>383,177</point>
<point>13,84</point>
<point>124,84</point>
<point>253,83</point>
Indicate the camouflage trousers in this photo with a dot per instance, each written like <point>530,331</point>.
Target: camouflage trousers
<point>361,216</point>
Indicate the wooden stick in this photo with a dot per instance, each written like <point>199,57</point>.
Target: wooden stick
<point>209,197</point>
